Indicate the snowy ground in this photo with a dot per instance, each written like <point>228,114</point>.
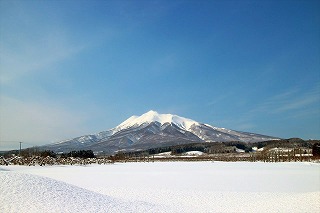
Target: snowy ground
<point>162,187</point>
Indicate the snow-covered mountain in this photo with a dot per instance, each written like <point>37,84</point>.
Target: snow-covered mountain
<point>152,116</point>
<point>152,130</point>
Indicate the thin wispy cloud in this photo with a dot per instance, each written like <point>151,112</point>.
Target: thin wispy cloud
<point>38,122</point>
<point>290,101</point>
<point>281,112</point>
<point>298,103</point>
<point>35,55</point>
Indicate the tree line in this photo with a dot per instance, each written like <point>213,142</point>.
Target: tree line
<point>49,153</point>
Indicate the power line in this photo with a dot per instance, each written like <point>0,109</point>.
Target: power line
<point>12,145</point>
<point>20,149</point>
<point>9,141</point>
<point>24,142</point>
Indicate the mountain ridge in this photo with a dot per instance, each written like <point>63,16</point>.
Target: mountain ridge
<point>152,130</point>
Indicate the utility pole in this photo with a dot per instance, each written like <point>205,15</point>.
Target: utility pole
<point>20,149</point>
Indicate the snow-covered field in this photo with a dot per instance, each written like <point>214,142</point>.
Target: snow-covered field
<point>162,187</point>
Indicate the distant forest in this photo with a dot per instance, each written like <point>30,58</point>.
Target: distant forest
<point>228,147</point>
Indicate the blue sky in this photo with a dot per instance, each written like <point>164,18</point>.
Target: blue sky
<point>70,68</point>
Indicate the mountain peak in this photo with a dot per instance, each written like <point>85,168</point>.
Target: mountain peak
<point>152,112</point>
<point>150,116</point>
<point>153,116</point>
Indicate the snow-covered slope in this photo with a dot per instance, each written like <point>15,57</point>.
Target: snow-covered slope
<point>153,116</point>
<point>152,130</point>
<point>170,187</point>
